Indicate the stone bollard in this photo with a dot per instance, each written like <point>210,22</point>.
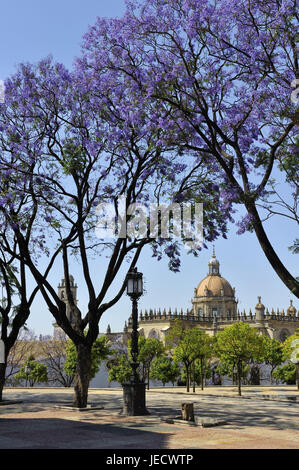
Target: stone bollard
<point>187,412</point>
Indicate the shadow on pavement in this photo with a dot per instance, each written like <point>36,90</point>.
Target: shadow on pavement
<point>55,433</point>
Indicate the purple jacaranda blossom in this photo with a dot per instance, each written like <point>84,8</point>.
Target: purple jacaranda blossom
<point>244,224</point>
<point>170,89</point>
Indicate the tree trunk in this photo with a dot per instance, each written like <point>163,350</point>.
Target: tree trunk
<point>188,378</point>
<point>239,373</point>
<point>201,373</point>
<point>2,378</point>
<point>82,377</point>
<point>233,377</point>
<point>193,373</point>
<point>297,375</point>
<point>271,377</point>
<point>148,378</point>
<point>291,283</point>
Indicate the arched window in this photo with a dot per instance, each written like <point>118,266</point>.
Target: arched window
<point>283,334</point>
<point>153,334</point>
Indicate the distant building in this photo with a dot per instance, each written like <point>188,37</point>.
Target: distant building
<point>62,294</point>
<point>214,307</point>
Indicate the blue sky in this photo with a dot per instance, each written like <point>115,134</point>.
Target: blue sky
<point>33,29</point>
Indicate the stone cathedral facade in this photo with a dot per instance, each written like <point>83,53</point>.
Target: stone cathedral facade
<point>214,307</point>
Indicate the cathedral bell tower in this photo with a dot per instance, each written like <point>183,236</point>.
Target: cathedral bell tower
<point>61,291</point>
<point>63,296</point>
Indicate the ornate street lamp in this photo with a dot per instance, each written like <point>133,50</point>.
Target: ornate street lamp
<point>134,391</point>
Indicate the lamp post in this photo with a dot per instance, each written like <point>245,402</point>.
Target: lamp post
<point>134,391</point>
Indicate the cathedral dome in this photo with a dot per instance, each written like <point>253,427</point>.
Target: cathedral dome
<point>215,286</point>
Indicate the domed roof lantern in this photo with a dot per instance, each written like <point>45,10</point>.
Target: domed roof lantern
<point>214,265</point>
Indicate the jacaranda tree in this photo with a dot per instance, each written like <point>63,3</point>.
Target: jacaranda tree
<point>16,296</point>
<point>225,71</point>
<point>72,148</point>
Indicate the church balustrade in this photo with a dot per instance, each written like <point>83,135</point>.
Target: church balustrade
<point>190,316</point>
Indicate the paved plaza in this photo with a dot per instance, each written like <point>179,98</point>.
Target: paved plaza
<point>264,418</point>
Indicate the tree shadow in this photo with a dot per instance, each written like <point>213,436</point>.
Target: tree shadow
<point>20,408</point>
<point>56,433</point>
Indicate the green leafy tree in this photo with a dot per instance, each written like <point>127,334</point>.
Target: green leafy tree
<point>119,370</point>
<point>254,370</point>
<point>205,352</point>
<point>290,346</point>
<point>272,354</point>
<point>237,345</point>
<point>175,334</point>
<point>229,369</point>
<point>99,352</point>
<point>215,372</point>
<point>192,346</point>
<point>164,369</point>
<point>149,349</point>
<point>200,371</point>
<point>33,372</point>
<point>286,374</point>
<point>290,349</point>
